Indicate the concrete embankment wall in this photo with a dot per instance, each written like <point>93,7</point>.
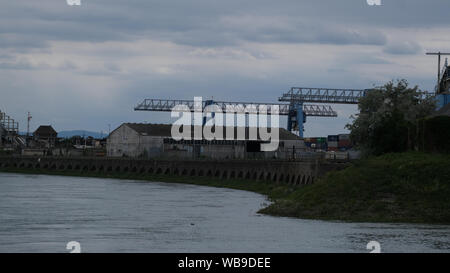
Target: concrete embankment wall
<point>296,173</point>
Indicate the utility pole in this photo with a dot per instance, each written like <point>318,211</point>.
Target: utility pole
<point>439,54</point>
<point>28,124</point>
<point>27,139</point>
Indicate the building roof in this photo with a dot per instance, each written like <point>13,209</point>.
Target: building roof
<point>45,130</point>
<point>164,130</point>
<point>151,129</point>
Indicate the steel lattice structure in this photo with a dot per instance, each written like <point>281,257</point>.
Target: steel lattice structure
<point>323,95</point>
<point>235,107</point>
<point>8,124</point>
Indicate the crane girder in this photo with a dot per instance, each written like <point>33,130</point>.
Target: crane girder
<point>323,95</point>
<point>167,105</point>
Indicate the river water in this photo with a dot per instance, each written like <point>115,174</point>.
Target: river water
<point>40,213</point>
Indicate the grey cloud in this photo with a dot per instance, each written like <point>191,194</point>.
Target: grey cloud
<point>293,31</point>
<point>198,23</point>
<point>19,42</point>
<point>26,26</point>
<point>227,53</point>
<point>13,63</point>
<point>361,58</point>
<point>403,48</point>
<point>68,65</point>
<point>6,56</point>
<point>16,66</point>
<point>112,67</point>
<point>340,36</point>
<point>203,38</point>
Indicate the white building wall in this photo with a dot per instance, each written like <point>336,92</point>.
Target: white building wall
<point>151,146</point>
<point>122,142</point>
<point>125,141</point>
<point>217,151</point>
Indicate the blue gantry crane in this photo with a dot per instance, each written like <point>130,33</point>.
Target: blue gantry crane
<point>296,109</point>
<point>297,96</point>
<point>294,104</point>
<point>293,111</point>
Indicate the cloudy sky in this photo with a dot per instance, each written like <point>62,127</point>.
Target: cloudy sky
<point>84,67</point>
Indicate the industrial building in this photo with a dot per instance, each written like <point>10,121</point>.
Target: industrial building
<point>46,135</point>
<point>443,90</point>
<point>155,141</point>
<point>9,130</point>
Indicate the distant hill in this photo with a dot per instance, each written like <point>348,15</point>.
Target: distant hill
<point>72,133</point>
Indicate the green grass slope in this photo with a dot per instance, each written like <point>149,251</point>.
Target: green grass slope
<point>405,187</point>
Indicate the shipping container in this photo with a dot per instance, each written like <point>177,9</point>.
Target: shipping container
<point>315,139</point>
<point>333,144</point>
<point>333,138</point>
<point>334,149</point>
<point>344,144</point>
<point>317,143</point>
<point>321,146</point>
<point>344,137</point>
<point>321,139</point>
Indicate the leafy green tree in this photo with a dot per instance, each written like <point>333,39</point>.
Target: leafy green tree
<point>388,116</point>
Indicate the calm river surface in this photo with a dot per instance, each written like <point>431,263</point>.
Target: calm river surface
<point>40,213</point>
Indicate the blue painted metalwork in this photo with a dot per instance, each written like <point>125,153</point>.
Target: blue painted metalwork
<point>442,100</point>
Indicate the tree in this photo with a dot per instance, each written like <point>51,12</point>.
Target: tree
<point>388,116</point>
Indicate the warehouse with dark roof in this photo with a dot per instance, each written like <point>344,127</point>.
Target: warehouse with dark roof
<point>156,141</point>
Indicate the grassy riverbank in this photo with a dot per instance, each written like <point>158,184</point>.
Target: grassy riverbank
<point>272,190</point>
<point>407,187</point>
